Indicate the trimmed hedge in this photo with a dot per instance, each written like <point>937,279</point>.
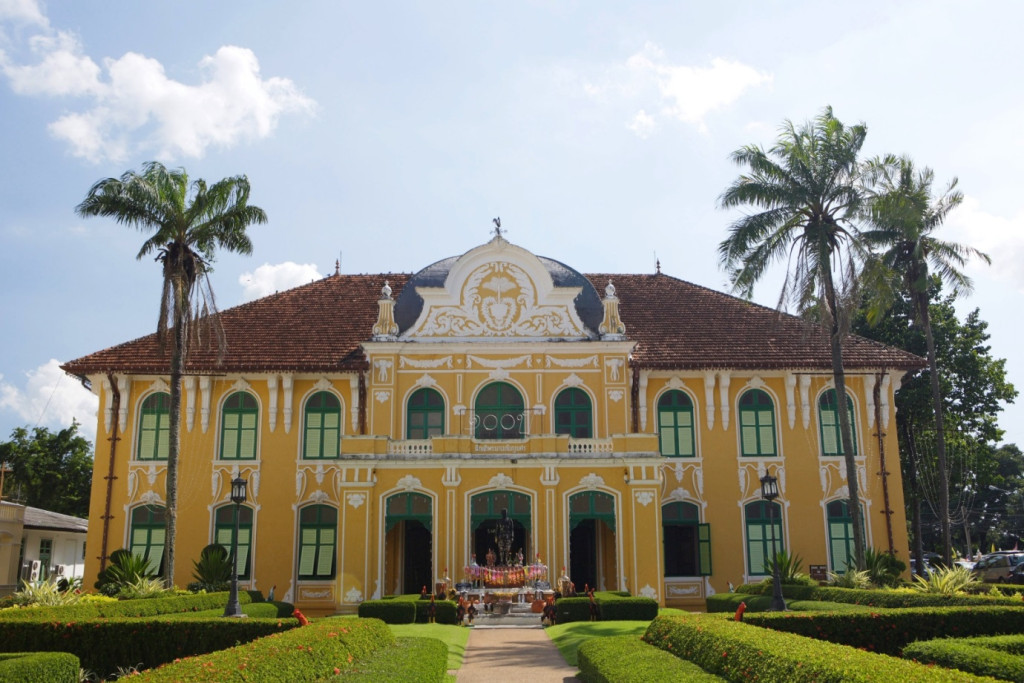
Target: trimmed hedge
<point>889,631</point>
<point>740,652</point>
<point>147,607</point>
<point>103,645</point>
<point>616,608</point>
<point>879,598</point>
<point>443,614</point>
<point>628,659</point>
<point>259,610</point>
<point>1000,656</point>
<point>572,609</point>
<point>729,602</point>
<point>321,650</point>
<point>389,611</point>
<point>32,667</point>
<point>410,659</point>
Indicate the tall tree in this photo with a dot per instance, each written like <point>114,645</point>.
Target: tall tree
<point>187,221</point>
<point>806,189</point>
<point>905,214</point>
<point>48,470</point>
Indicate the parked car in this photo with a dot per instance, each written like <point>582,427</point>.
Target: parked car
<point>1017,575</point>
<point>996,567</point>
<point>913,568</point>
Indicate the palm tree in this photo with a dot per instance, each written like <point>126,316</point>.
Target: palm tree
<point>187,221</point>
<point>806,189</point>
<point>904,214</point>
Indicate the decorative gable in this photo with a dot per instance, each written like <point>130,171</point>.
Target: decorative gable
<point>498,292</point>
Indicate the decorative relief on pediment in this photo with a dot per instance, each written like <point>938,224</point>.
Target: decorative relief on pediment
<point>426,364</point>
<point>498,300</point>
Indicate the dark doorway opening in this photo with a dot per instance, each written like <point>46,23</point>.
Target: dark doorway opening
<point>416,569</point>
<point>681,550</point>
<point>583,554</point>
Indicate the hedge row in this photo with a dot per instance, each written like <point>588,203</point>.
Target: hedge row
<point>104,645</point>
<point>889,631</point>
<point>878,598</point>
<point>739,652</point>
<point>32,667</point>
<point>729,602</point>
<point>147,607</point>
<point>259,610</point>
<point>627,659</point>
<point>320,650</point>
<point>610,607</point>
<point>410,659</point>
<point>1000,656</point>
<point>408,611</point>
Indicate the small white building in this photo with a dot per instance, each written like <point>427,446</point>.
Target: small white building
<point>38,544</point>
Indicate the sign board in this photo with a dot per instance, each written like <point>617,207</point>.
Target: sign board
<point>819,572</point>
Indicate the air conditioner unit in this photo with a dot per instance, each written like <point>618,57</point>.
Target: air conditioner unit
<point>36,567</point>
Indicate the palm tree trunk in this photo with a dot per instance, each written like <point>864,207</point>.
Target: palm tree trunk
<point>913,487</point>
<point>845,432</point>
<point>174,440</point>
<point>940,435</point>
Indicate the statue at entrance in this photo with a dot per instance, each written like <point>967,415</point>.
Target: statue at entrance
<point>505,532</point>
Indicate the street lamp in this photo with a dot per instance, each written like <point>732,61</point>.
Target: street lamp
<point>769,492</point>
<point>234,609</point>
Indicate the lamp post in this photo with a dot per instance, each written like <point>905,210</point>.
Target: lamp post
<point>234,609</point>
<point>769,492</point>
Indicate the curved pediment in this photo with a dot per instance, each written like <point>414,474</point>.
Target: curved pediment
<point>498,292</point>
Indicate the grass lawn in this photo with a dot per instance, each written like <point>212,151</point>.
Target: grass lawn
<point>567,637</point>
<point>454,637</point>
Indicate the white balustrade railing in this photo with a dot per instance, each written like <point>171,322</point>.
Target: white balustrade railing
<point>590,446</point>
<point>411,447</point>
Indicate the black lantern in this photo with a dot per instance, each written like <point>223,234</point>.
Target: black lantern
<point>769,492</point>
<point>234,609</point>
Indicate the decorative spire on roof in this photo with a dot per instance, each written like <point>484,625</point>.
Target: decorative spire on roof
<point>611,328</point>
<point>386,328</point>
<point>337,266</point>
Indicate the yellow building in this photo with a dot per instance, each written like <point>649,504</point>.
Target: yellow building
<point>383,422</point>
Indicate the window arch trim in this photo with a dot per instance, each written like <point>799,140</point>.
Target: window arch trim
<point>676,437</point>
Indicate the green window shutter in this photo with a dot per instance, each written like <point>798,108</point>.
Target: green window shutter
<point>247,442</point>
<point>749,433</point>
<point>313,422</point>
<point>307,552</point>
<point>829,432</point>
<point>704,549</point>
<point>325,563</point>
<point>223,537</point>
<point>147,438</point>
<point>766,420</point>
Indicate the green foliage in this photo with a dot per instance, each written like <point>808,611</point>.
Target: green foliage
<point>883,569</point>
<point>409,659</point>
<point>999,656</point>
<point>444,611</point>
<point>739,652</point>
<point>212,571</point>
<point>44,593</point>
<point>729,602</point>
<point>850,579</point>
<point>315,652</point>
<point>389,611</point>
<point>790,569</point>
<point>32,667</point>
<point>946,581</point>
<point>143,588</point>
<point>617,608</point>
<point>889,631</point>
<point>123,570</point>
<point>572,609</point>
<point>90,608</point>
<point>49,470</point>
<point>628,659</point>
<point>903,597</point>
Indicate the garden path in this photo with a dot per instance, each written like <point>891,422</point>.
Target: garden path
<point>513,654</point>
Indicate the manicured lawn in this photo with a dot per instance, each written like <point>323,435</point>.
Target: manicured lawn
<point>454,637</point>
<point>567,637</point>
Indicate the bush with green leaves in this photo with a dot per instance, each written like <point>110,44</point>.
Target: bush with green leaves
<point>740,652</point>
<point>947,581</point>
<point>44,593</point>
<point>32,667</point>
<point>124,568</point>
<point>94,607</point>
<point>143,589</point>
<point>883,569</point>
<point>409,659</point>
<point>851,578</point>
<point>899,597</point>
<point>729,602</point>
<point>212,571</point>
<point>389,611</point>
<point>618,608</point>
<point>628,659</point>
<point>998,656</point>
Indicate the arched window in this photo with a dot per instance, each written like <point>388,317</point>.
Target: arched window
<point>675,424</point>
<point>828,417</point>
<point>840,534</point>
<point>154,427</point>
<point>239,424</point>
<point>224,529</point>
<point>318,542</point>
<point>760,517</point>
<point>499,412</point>
<point>757,424</point>
<point>147,535</point>
<point>323,426</point>
<point>425,414</point>
<point>573,414</point>
<point>687,542</point>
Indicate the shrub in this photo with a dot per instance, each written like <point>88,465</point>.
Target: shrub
<point>390,611</point>
<point>572,609</point>
<point>212,571</point>
<point>737,652</point>
<point>31,667</point>
<point>409,659</point>
<point>999,656</point>
<point>889,631</point>
<point>124,569</point>
<point>444,611</point>
<point>627,609</point>
<point>628,659</point>
<point>143,589</point>
<point>883,569</point>
<point>92,607</point>
<point>878,598</point>
<point>44,593</point>
<point>319,651</point>
<point>850,579</point>
<point>729,602</point>
<point>947,581</point>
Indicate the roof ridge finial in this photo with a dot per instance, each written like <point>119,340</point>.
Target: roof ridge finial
<point>497,226</point>
<point>337,266</point>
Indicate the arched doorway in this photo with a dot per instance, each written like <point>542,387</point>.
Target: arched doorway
<point>592,540</point>
<point>408,541</point>
<point>485,511</point>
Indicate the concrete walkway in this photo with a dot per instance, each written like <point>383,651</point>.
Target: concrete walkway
<point>513,654</point>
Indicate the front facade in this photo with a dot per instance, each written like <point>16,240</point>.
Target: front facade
<point>39,545</point>
<point>385,423</point>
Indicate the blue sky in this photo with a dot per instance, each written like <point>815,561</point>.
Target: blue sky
<point>388,135</point>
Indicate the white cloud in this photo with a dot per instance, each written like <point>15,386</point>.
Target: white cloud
<point>26,11</point>
<point>268,279</point>
<point>133,107</point>
<point>659,89</point>
<point>51,398</point>
<point>1000,237</point>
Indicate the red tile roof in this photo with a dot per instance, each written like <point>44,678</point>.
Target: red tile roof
<point>319,328</point>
